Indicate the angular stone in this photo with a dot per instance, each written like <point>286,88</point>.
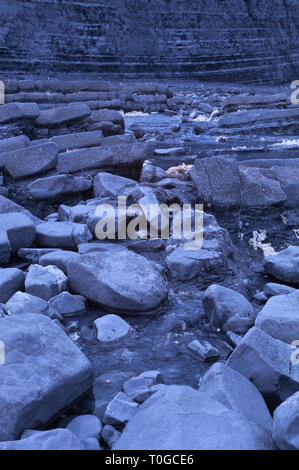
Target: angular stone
<point>31,160</point>
<point>259,190</point>
<point>18,111</point>
<point>271,289</point>
<point>45,282</point>
<point>65,114</point>
<point>77,140</point>
<point>111,328</point>
<point>35,383</point>
<point>6,206</point>
<point>284,265</point>
<point>266,362</point>
<point>108,115</point>
<point>120,410</point>
<point>11,280</point>
<point>58,186</point>
<point>107,185</point>
<point>280,317</point>
<point>203,350</point>
<point>119,280</point>
<point>227,309</point>
<point>67,305</point>
<point>110,435</point>
<point>61,234</point>
<point>286,424</point>
<point>33,255</point>
<point>17,230</point>
<point>142,387</point>
<point>236,392</point>
<point>14,143</point>
<point>22,302</point>
<point>177,417</point>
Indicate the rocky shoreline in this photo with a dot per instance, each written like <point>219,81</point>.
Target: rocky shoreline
<point>131,344</point>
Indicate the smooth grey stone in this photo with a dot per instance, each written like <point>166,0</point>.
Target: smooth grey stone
<point>64,114</point>
<point>17,231</point>
<point>110,435</point>
<point>56,187</point>
<point>45,282</point>
<point>107,185</point>
<point>286,424</point>
<point>284,265</point>
<point>22,302</point>
<point>111,328</point>
<point>120,410</point>
<point>85,427</point>
<point>271,289</point>
<point>67,305</point>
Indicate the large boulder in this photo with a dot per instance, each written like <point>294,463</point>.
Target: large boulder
<point>177,417</point>
<point>280,317</point>
<point>61,234</point>
<point>17,231</point>
<point>286,424</point>
<point>56,439</point>
<point>31,160</point>
<point>284,265</point>
<point>119,280</point>
<point>266,361</point>
<point>236,392</point>
<point>58,186</point>
<point>64,114</point>
<point>217,181</point>
<point>44,372</point>
<point>227,309</point>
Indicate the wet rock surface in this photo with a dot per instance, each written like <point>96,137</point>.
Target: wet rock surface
<point>128,327</point>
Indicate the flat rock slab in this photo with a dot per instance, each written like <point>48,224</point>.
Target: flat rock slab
<point>285,265</point>
<point>31,160</point>
<point>56,116</point>
<point>16,111</point>
<point>61,234</point>
<point>177,417</point>
<point>55,187</point>
<point>14,143</point>
<point>44,372</point>
<point>119,280</point>
<point>77,140</point>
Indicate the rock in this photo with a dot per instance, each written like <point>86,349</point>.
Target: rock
<point>18,111</point>
<point>233,338</point>
<point>286,424</point>
<point>279,317</point>
<point>33,255</point>
<point>56,187</point>
<point>91,444</point>
<point>11,280</point>
<point>108,115</point>
<point>22,302</point>
<point>14,143</point>
<point>138,131</point>
<point>107,185</point>
<point>36,384</point>
<point>64,114</point>
<point>111,328</point>
<point>67,305</point>
<point>288,178</point>
<point>120,410</point>
<point>236,392</point>
<point>45,282</point>
<point>31,160</point>
<point>284,265</point>
<point>110,435</point>
<point>217,181</point>
<point>56,439</point>
<point>17,231</point>
<point>85,427</point>
<point>61,234</point>
<point>142,387</point>
<point>203,350</point>
<point>266,362</point>
<point>59,258</point>
<point>7,206</point>
<point>77,140</point>
<point>227,309</point>
<point>170,152</point>
<point>151,173</point>
<point>258,189</point>
<point>177,417</point>
<point>271,289</point>
<point>119,280</point>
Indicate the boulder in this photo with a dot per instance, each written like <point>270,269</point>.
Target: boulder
<point>284,265</point>
<point>56,439</point>
<point>17,231</point>
<point>22,302</point>
<point>177,417</point>
<point>111,328</point>
<point>258,189</point>
<point>286,424</point>
<point>14,143</point>
<point>109,185</point>
<point>45,282</point>
<point>119,280</point>
<point>31,160</point>
<point>61,234</point>
<point>236,392</point>
<point>57,116</point>
<point>44,372</point>
<point>59,258</point>
<point>142,387</point>
<point>288,178</point>
<point>279,317</point>
<point>272,288</point>
<point>11,280</point>
<point>120,410</point>
<point>85,427</point>
<point>67,305</point>
<point>217,181</point>
<point>58,186</point>
<point>266,362</point>
<point>110,435</point>
<point>18,111</point>
<point>227,309</point>
<point>77,140</point>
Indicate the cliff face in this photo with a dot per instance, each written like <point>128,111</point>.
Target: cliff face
<point>246,40</point>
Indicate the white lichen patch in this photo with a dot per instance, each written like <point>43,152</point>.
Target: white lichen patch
<point>258,243</point>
